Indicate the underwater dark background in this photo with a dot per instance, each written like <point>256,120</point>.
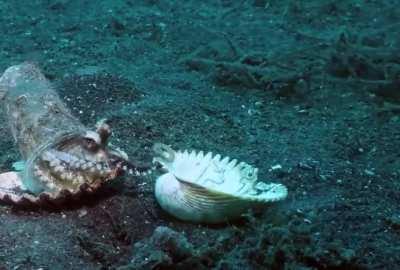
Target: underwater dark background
<point>312,86</point>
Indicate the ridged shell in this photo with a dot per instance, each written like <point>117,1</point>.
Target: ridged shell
<point>201,187</point>
<point>11,192</point>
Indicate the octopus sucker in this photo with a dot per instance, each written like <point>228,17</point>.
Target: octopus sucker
<point>207,188</point>
<point>63,158</point>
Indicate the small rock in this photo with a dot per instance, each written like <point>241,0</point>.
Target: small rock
<point>394,221</point>
<point>276,167</point>
<point>369,172</point>
<point>82,213</point>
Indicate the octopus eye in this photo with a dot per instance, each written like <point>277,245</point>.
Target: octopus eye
<point>90,144</point>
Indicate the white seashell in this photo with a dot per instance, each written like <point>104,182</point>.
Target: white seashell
<point>202,188</point>
<point>232,164</point>
<point>200,154</point>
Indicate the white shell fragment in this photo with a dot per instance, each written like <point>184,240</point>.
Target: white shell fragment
<point>204,188</point>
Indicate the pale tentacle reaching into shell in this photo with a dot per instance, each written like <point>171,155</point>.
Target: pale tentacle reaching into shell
<point>207,188</point>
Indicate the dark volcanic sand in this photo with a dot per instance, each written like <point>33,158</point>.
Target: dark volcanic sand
<point>313,87</point>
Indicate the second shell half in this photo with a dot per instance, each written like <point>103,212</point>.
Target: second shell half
<point>204,188</point>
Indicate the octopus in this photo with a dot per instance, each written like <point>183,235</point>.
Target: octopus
<point>75,167</point>
<point>63,159</point>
